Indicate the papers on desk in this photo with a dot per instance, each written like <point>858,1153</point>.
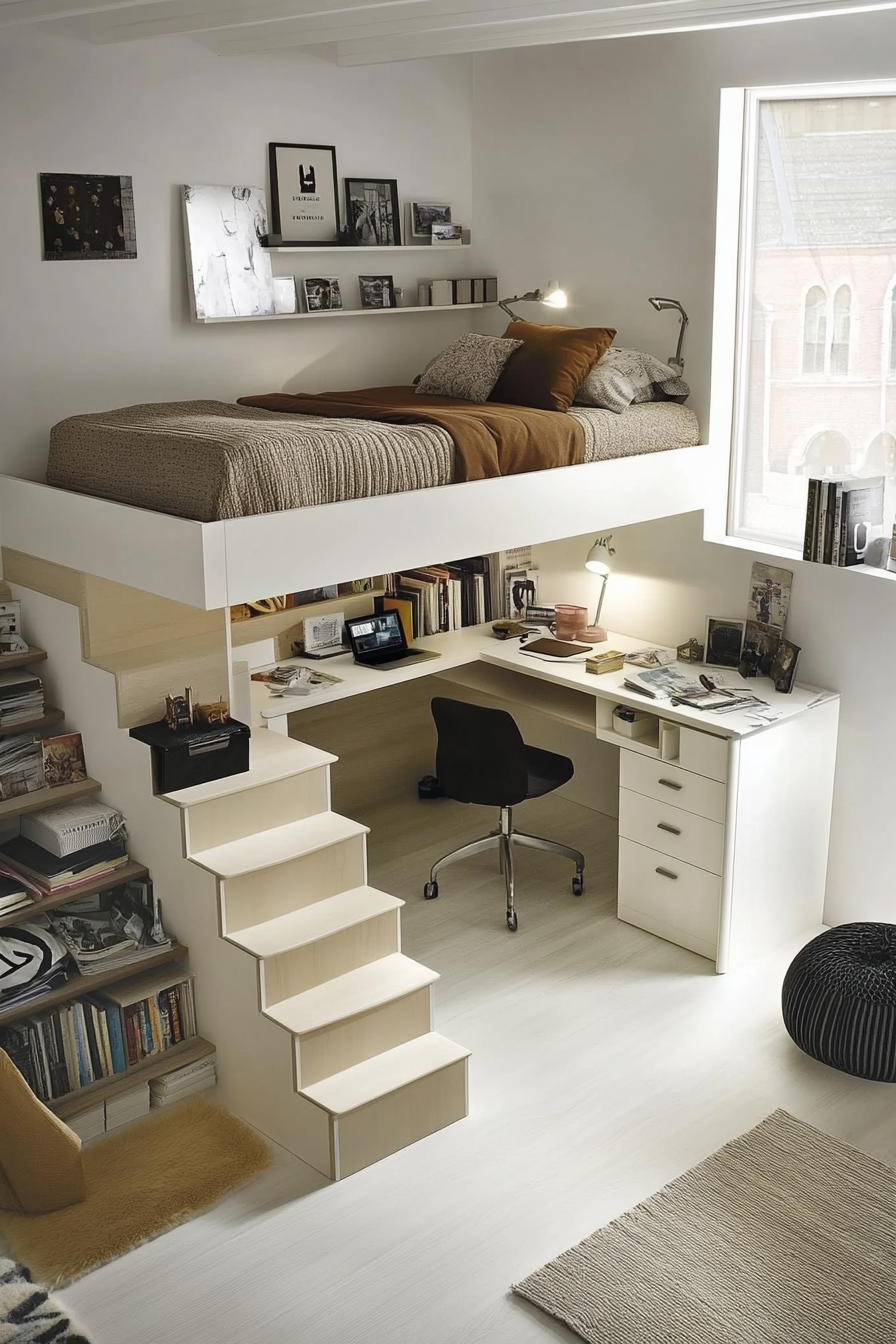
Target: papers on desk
<point>306,681</point>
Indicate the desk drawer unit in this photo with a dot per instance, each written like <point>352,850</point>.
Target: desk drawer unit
<point>670,784</point>
<point>682,835</point>
<point>674,900</point>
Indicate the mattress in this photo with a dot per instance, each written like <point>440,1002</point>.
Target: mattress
<point>210,460</point>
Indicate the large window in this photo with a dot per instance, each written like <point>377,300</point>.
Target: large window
<point>815,350</point>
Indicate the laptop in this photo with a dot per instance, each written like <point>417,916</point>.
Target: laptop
<point>379,641</point>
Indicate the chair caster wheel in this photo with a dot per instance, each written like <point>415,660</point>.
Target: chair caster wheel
<point>512,921</point>
<point>430,891</point>
<point>578,884</point>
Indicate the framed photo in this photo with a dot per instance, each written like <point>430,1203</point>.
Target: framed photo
<point>446,233</point>
<point>322,294</point>
<point>285,299</point>
<point>759,648</point>
<point>724,640</point>
<point>769,594</point>
<point>371,206</point>
<point>304,194</point>
<point>63,759</point>
<point>783,669</point>
<point>87,217</point>
<point>377,291</point>
<point>424,214</point>
<point>230,274</point>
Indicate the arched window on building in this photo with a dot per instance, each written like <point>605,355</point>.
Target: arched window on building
<point>880,457</point>
<point>840,331</point>
<point>829,453</point>
<point>815,329</point>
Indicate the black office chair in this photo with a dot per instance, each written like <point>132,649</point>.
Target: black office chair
<point>482,758</point>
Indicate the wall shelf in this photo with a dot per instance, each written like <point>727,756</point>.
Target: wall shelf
<point>348,312</point>
<point>104,1089</point>
<point>8,660</point>
<point>128,872</point>
<point>298,248</point>
<point>33,725</point>
<point>61,793</point>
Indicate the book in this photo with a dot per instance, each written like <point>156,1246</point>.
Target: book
<point>610,661</point>
<point>862,509</point>
<point>52,872</point>
<point>71,827</point>
<point>661,683</point>
<point>21,765</point>
<point>12,895</point>
<point>405,609</point>
<point>811,519</point>
<point>441,292</point>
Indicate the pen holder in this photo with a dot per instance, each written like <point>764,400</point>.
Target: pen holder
<point>569,622</point>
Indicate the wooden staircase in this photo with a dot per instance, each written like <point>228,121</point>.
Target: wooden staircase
<point>370,1074</point>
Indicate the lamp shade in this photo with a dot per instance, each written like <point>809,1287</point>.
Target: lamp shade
<point>554,296</point>
<point>593,562</point>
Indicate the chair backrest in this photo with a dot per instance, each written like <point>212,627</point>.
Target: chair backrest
<point>481,756</point>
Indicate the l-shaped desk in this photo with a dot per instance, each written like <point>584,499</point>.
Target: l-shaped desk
<point>724,821</point>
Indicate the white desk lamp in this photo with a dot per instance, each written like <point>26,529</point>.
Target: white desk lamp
<point>595,564</point>
<point>553,296</point>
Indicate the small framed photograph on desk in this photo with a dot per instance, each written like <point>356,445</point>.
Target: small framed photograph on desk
<point>724,640</point>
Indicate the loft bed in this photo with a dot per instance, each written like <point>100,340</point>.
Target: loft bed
<point>387,479</point>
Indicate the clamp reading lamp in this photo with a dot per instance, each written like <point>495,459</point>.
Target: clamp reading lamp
<point>553,296</point>
<point>595,633</point>
<point>659,305</point>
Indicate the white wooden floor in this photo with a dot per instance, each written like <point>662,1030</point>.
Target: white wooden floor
<point>605,1063</point>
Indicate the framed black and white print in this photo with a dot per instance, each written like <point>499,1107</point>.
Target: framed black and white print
<point>724,640</point>
<point>377,291</point>
<point>424,214</point>
<point>304,194</point>
<point>322,293</point>
<point>372,216</point>
<point>87,217</point>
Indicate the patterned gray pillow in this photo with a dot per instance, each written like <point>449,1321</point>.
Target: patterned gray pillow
<point>621,377</point>
<point>467,368</point>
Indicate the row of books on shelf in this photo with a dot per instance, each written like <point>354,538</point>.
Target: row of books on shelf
<point>439,293</point>
<point>437,598</point>
<point>100,1035</point>
<point>840,515</point>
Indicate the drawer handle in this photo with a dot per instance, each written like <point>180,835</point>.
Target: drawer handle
<point>664,826</point>
<point>670,784</point>
<point>664,872</point>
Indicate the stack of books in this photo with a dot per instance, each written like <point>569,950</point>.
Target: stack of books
<point>89,1124</point>
<point>14,895</point>
<point>21,766</point>
<point>839,518</point>
<point>111,928</point>
<point>21,697</point>
<point>173,1087</point>
<point>437,598</point>
<point>62,848</point>
<point>130,1106</point>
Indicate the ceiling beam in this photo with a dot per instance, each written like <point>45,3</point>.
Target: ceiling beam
<point>157,18</point>
<point>17,13</point>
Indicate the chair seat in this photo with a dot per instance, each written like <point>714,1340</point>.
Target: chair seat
<point>547,771</point>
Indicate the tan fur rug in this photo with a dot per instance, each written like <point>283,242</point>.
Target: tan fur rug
<point>153,1174</point>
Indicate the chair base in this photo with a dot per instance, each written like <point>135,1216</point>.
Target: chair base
<point>503,838</point>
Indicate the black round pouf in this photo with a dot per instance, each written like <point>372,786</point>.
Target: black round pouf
<point>839,1000</point>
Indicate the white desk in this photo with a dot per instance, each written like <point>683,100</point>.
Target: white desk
<point>722,843</point>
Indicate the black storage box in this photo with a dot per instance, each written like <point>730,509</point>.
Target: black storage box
<point>196,755</point>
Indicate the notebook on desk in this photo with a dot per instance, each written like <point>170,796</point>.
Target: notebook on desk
<point>379,641</point>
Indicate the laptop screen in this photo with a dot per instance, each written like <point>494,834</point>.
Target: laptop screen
<point>373,635</point>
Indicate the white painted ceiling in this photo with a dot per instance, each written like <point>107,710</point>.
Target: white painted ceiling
<point>367,32</point>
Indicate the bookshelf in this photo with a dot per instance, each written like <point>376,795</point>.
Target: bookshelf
<point>175,1057</point>
<point>128,872</point>
<point>39,798</point>
<point>34,655</point>
<point>34,725</point>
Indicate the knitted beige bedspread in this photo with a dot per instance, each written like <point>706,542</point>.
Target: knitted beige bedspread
<point>209,460</point>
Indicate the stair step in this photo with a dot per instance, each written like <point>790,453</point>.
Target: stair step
<point>358,991</point>
<point>314,922</point>
<point>385,1073</point>
<point>266,849</point>
<point>271,757</point>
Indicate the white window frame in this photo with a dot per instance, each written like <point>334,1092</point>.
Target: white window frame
<point>733,288</point>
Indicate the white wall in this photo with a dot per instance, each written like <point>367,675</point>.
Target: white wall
<point>86,336</point>
<point>603,157</point>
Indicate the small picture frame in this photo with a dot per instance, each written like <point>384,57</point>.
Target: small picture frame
<point>423,214</point>
<point>304,194</point>
<point>377,291</point>
<point>63,759</point>
<point>447,235</point>
<point>322,293</point>
<point>372,212</point>
<point>758,649</point>
<point>285,299</point>
<point>783,671</point>
<point>724,640</point>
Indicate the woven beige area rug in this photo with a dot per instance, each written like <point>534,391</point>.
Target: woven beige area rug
<point>141,1181</point>
<point>784,1236</point>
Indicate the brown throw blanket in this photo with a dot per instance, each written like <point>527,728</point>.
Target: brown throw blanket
<point>490,438</point>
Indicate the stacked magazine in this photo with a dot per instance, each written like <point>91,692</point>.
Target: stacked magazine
<point>21,765</point>
<point>111,928</point>
<point>21,697</point>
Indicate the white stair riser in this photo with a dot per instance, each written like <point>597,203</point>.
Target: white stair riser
<point>269,893</point>
<point>351,1040</point>
<point>399,1119</point>
<point>237,815</point>
<point>301,968</point>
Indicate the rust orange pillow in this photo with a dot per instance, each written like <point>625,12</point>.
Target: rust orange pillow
<point>550,365</point>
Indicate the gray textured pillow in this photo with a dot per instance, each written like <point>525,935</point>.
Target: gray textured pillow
<point>621,377</point>
<point>467,368</point>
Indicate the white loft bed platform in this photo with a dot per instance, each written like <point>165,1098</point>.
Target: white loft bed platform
<point>219,564</point>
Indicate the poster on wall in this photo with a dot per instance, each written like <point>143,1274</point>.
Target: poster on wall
<point>304,206</point>
<point>87,217</point>
<point>229,270</point>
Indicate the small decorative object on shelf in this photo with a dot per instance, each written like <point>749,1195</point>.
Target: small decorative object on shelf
<point>207,716</point>
<point>446,234</point>
<point>11,638</point>
<point>63,759</point>
<point>377,291</point>
<point>423,215</point>
<point>691,651</point>
<point>783,669</point>
<point>179,711</point>
<point>182,759</point>
<point>322,293</point>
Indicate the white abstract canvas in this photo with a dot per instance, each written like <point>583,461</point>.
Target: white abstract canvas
<point>229,270</point>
